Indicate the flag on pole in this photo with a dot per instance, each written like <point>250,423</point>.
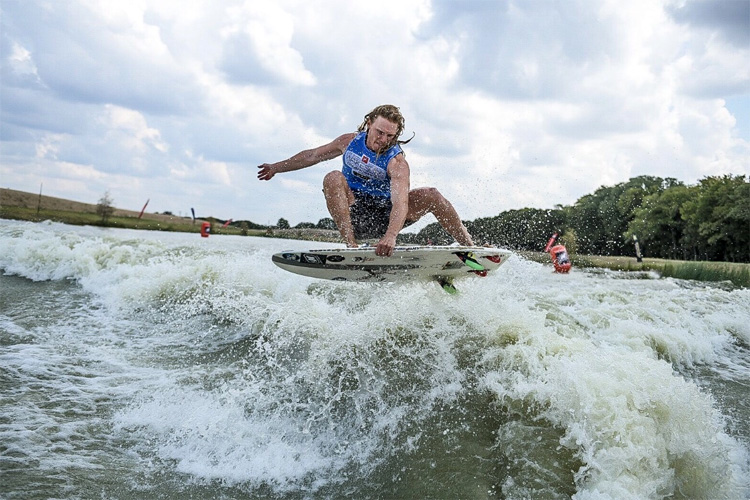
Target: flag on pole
<point>144,208</point>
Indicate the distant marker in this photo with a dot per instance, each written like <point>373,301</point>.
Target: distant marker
<point>144,208</point>
<point>638,254</point>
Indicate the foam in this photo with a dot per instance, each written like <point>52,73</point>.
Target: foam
<point>222,369</point>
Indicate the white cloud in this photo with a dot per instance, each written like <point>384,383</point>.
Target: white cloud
<point>262,32</point>
<point>130,130</point>
<point>21,62</point>
<point>48,146</point>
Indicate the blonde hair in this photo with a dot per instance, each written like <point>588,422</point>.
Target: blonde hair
<point>390,113</point>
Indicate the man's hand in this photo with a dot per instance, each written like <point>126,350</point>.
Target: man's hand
<point>385,246</point>
<point>266,172</point>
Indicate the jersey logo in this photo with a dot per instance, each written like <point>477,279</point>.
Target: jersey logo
<point>362,168</point>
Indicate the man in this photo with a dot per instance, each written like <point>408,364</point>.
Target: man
<point>370,197</point>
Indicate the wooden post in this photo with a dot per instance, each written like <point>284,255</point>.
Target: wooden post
<point>39,203</point>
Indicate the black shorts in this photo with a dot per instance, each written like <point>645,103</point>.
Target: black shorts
<point>370,215</point>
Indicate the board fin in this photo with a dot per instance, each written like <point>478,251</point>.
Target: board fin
<point>470,260</point>
<point>447,284</point>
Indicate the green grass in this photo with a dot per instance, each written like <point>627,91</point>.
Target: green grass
<point>737,273</point>
<point>90,219</point>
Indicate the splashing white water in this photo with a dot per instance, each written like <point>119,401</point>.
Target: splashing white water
<point>229,371</point>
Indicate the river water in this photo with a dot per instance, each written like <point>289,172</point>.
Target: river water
<point>139,364</point>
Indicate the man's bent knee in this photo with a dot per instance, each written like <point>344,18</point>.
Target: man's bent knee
<point>433,194</point>
<point>335,185</point>
<point>334,179</point>
<point>426,198</point>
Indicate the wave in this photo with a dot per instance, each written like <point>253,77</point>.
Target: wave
<point>526,384</point>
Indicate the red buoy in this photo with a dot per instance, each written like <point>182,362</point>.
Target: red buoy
<point>560,259</point>
<point>205,229</point>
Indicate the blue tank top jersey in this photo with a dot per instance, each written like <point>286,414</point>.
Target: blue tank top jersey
<point>366,171</point>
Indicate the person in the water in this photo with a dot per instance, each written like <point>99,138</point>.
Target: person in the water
<point>370,196</point>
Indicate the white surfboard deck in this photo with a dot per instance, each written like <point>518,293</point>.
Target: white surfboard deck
<point>421,263</point>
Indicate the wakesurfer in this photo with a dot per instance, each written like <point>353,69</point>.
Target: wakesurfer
<point>370,197</point>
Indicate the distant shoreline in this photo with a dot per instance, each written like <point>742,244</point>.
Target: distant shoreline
<point>21,205</point>
<point>23,199</point>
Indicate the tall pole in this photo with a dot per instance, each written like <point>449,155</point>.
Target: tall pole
<point>39,203</point>
<point>638,256</point>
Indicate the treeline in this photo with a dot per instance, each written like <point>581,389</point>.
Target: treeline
<point>707,221</point>
<point>325,223</point>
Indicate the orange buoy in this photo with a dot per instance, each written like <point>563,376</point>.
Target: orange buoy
<point>560,259</point>
<point>205,229</point>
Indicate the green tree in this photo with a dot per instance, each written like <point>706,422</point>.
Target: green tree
<point>326,223</point>
<point>659,225</point>
<point>718,219</point>
<point>434,234</point>
<point>570,241</point>
<point>586,220</point>
<point>739,214</point>
<point>524,229</point>
<point>105,208</point>
<point>283,224</point>
<point>601,219</point>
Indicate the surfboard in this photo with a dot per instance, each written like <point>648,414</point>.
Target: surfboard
<point>442,264</point>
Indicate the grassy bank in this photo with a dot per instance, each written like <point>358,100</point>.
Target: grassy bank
<point>90,219</point>
<point>178,224</point>
<point>737,273</point>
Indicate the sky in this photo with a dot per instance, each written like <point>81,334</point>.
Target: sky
<point>512,103</point>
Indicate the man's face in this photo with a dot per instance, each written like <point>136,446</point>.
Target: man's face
<point>381,134</point>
